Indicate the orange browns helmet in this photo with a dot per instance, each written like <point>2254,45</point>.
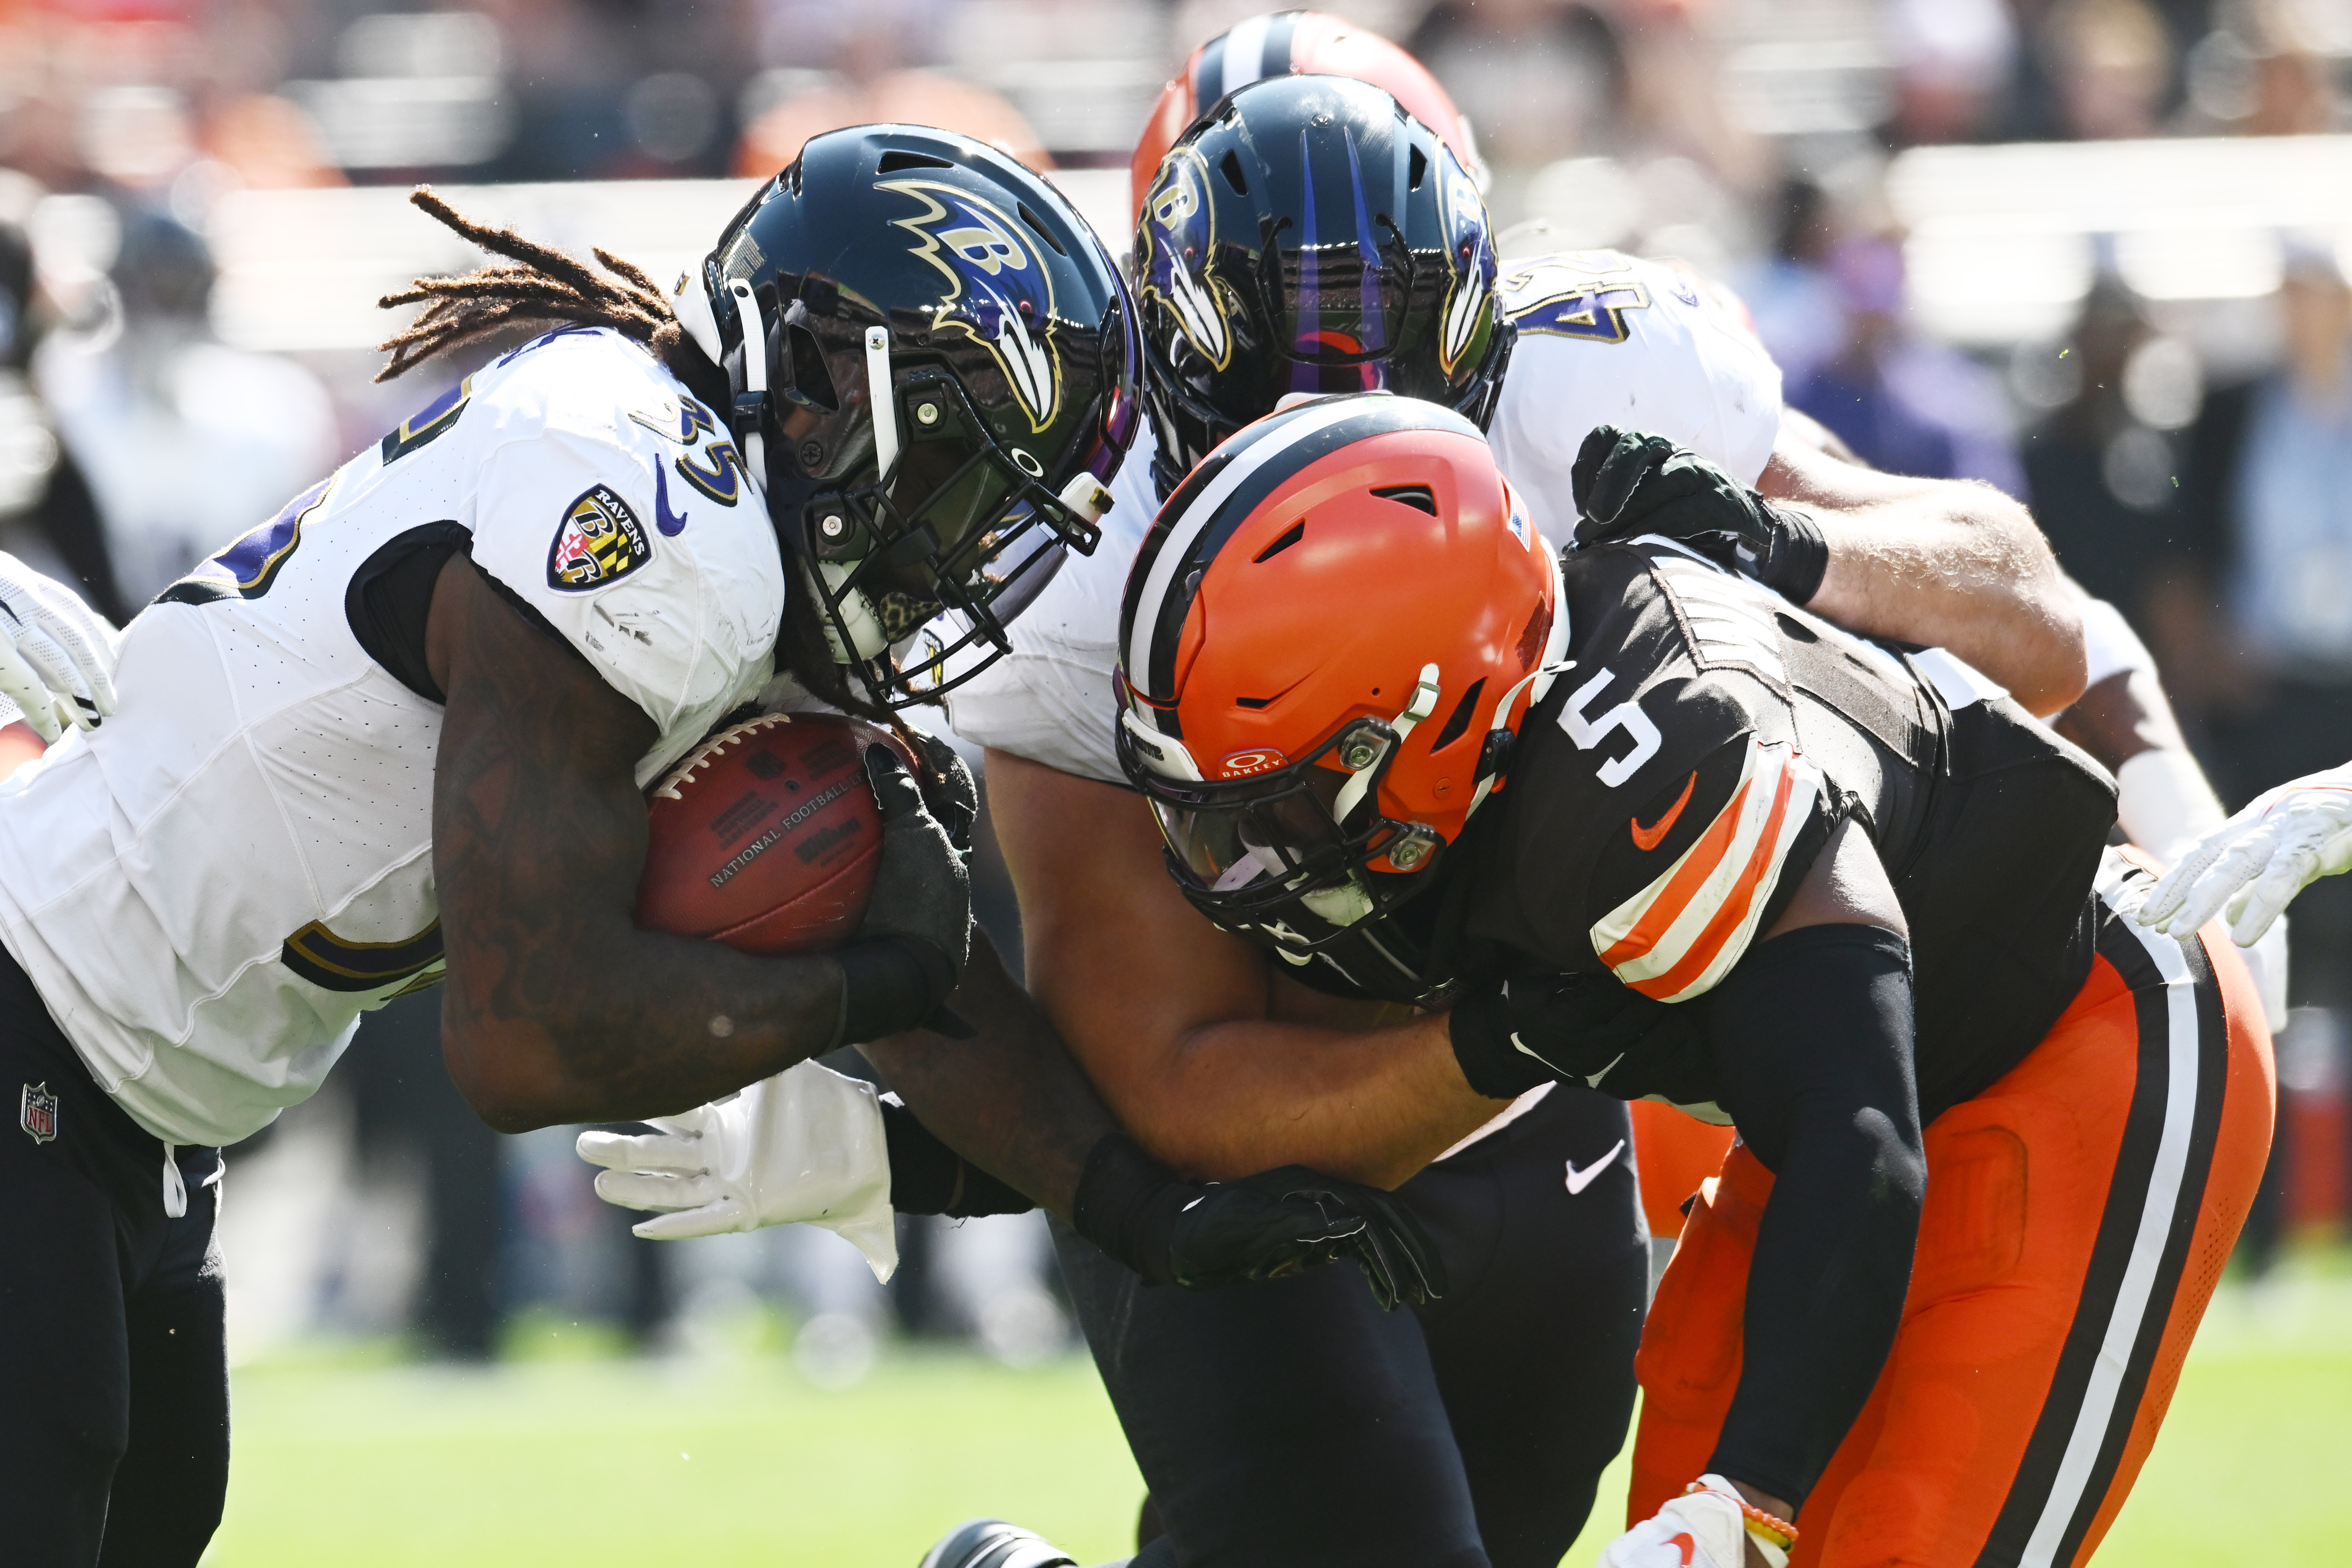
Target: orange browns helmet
<point>1325,643</point>
<point>1311,43</point>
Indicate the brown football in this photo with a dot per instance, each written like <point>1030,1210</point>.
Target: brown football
<point>767,838</point>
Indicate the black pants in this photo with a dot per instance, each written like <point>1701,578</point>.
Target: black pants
<point>1295,1423</point>
<point>114,1397</point>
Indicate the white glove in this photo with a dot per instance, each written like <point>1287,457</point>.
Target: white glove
<point>56,653</point>
<point>2254,864</point>
<point>1698,1529</point>
<point>805,1146</point>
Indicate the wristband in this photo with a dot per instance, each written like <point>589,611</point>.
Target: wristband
<point>1797,557</point>
<point>928,1177</point>
<point>2110,646</point>
<point>2164,802</point>
<point>887,988</point>
<point>1126,1204</point>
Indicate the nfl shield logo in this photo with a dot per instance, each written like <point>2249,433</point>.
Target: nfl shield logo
<point>39,1116</point>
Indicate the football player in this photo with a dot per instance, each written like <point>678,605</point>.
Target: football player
<point>1462,1446</point>
<point>397,736</point>
<point>1659,831</point>
<point>1211,1054</point>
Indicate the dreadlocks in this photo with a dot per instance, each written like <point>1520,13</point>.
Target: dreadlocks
<point>536,284</point>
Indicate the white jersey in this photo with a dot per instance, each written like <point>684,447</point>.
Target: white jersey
<point>1604,338</point>
<point>209,891</point>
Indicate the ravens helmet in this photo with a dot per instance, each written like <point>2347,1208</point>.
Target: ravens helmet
<point>1310,236</point>
<point>933,368</point>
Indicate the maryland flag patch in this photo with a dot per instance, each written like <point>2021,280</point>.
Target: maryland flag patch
<point>601,541</point>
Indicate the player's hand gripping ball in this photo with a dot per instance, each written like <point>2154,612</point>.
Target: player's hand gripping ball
<point>768,837</point>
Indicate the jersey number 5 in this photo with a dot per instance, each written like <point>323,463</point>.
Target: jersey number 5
<point>1589,732</point>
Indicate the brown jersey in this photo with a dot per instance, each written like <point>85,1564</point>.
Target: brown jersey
<point>1671,792</point>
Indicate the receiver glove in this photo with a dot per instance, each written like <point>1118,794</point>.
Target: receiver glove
<point>805,1146</point>
<point>2253,865</point>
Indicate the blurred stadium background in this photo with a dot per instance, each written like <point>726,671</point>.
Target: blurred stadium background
<point>2091,251</point>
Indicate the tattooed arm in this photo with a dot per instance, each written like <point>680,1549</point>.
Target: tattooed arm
<point>1011,1101</point>
<point>558,1007</point>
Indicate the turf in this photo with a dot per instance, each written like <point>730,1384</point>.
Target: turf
<point>350,1459</point>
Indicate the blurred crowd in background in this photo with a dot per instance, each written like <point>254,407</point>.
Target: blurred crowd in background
<point>2093,252</point>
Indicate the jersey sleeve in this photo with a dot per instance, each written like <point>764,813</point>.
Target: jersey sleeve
<point>667,583</point>
<point>1660,810</point>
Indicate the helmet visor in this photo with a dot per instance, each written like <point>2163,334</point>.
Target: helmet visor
<point>1285,834</point>
<point>1282,855</point>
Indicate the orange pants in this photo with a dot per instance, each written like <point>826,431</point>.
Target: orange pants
<point>2078,1215</point>
<point>1674,1154</point>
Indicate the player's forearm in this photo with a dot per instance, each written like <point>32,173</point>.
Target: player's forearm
<point>1231,1098</point>
<point>1950,563</point>
<point>575,1023</point>
<point>1011,1101</point>
<point>2120,718</point>
<point>558,1007</point>
<point>1928,573</point>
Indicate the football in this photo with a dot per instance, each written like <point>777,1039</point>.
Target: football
<point>767,838</point>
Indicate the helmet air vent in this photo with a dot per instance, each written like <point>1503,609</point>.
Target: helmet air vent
<point>1290,536</point>
<point>1253,701</point>
<point>1038,228</point>
<point>811,382</point>
<point>1230,167</point>
<point>1421,497</point>
<point>1459,720</point>
<point>898,160</point>
<point>1416,170</point>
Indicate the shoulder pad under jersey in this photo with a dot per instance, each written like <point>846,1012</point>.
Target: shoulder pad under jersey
<point>1658,805</point>
<point>1606,339</point>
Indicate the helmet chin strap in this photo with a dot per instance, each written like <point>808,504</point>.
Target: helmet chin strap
<point>1420,706</point>
<point>755,372</point>
<point>880,400</point>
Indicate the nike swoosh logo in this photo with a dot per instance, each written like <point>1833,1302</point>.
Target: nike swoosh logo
<point>1579,1179</point>
<point>1647,838</point>
<point>673,523</point>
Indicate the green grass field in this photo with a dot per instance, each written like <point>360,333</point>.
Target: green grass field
<point>589,1462</point>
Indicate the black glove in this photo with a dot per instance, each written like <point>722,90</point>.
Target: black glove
<point>1592,1029</point>
<point>898,969</point>
<point>1628,484</point>
<point>1266,1226</point>
<point>949,792</point>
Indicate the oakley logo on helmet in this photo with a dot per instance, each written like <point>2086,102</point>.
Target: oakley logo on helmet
<point>1579,295</point>
<point>1470,260</point>
<point>1241,764</point>
<point>999,292</point>
<point>1180,233</point>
